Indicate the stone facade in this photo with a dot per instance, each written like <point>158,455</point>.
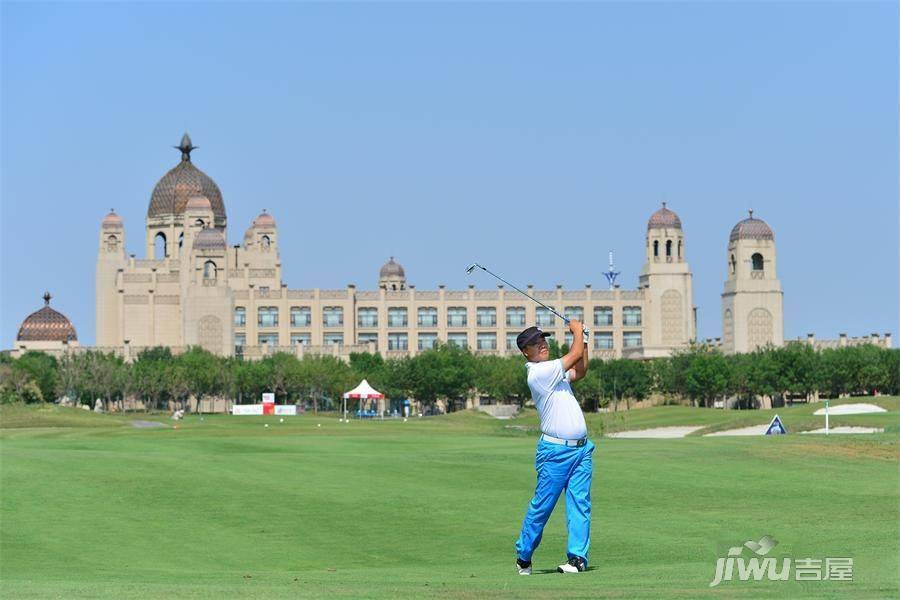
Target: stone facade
<point>198,290</point>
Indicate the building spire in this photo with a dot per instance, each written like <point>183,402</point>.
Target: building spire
<point>47,297</point>
<point>751,213</point>
<point>186,147</point>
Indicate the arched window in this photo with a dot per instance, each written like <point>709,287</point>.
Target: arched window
<point>757,261</point>
<point>180,242</point>
<point>668,247</point>
<point>655,248</point>
<point>112,243</point>
<point>266,242</point>
<point>209,270</point>
<point>199,222</point>
<point>732,264</point>
<point>159,246</point>
<point>679,248</point>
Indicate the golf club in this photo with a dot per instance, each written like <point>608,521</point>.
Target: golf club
<point>473,266</point>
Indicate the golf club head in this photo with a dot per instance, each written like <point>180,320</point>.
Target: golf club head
<point>471,268</point>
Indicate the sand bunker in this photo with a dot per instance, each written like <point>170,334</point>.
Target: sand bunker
<point>851,409</point>
<point>752,430</point>
<point>844,429</point>
<point>657,432</point>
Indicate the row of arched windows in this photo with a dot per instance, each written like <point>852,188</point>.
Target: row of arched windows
<point>668,248</point>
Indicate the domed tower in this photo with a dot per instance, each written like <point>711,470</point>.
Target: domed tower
<point>752,303</point>
<point>46,329</point>
<point>198,215</point>
<point>208,300</point>
<point>169,202</point>
<point>263,234</point>
<point>668,319</point>
<point>111,258</point>
<point>392,277</point>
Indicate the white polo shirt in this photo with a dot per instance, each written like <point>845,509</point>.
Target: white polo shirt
<point>557,407</point>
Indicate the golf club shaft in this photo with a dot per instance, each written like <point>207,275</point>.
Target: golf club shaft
<point>565,320</point>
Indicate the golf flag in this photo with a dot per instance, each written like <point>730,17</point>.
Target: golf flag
<point>776,427</point>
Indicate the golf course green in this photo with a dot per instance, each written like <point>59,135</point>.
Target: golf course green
<point>93,507</point>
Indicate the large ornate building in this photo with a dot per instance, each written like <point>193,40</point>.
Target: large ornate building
<point>193,288</point>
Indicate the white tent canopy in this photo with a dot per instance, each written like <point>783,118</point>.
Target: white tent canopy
<point>363,391</point>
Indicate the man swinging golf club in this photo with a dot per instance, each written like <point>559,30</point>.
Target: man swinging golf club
<point>563,459</point>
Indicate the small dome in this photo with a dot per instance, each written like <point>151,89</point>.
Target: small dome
<point>664,219</point>
<point>198,203</point>
<point>47,325</point>
<point>112,219</point>
<point>264,220</point>
<point>391,269</point>
<point>751,229</point>
<point>172,192</point>
<point>248,235</point>
<point>209,238</point>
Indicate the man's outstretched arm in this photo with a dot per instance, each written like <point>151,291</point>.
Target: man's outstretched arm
<point>577,355</point>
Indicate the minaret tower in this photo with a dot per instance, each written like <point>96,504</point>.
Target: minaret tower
<point>111,259</point>
<point>668,287</point>
<point>752,302</point>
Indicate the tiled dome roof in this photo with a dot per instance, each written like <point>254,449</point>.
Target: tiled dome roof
<point>664,219</point>
<point>209,238</point>
<point>264,220</point>
<point>111,220</point>
<point>391,269</point>
<point>47,325</point>
<point>751,229</point>
<point>198,203</point>
<point>172,192</point>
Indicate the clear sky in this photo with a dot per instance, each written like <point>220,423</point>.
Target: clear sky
<point>532,138</point>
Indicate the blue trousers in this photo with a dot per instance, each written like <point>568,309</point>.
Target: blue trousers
<point>560,467</point>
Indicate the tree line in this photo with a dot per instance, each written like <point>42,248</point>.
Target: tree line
<point>699,374</point>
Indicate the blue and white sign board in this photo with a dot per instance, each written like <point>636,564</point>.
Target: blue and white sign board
<point>776,427</point>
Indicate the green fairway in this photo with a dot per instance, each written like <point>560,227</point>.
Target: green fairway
<point>227,508</point>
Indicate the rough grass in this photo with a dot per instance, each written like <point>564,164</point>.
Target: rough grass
<point>226,508</point>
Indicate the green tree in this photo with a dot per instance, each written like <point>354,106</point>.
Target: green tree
<point>40,368</point>
<point>203,372</point>
<point>501,378</point>
<point>148,376</point>
<point>444,372</point>
<point>701,374</point>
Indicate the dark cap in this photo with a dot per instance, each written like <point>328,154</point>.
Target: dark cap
<point>530,336</point>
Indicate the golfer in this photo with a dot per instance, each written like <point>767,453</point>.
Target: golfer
<point>563,459</point>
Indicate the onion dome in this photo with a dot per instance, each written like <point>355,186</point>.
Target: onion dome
<point>264,220</point>
<point>391,269</point>
<point>751,229</point>
<point>209,238</point>
<point>198,203</point>
<point>112,219</point>
<point>47,325</point>
<point>172,192</point>
<point>664,219</point>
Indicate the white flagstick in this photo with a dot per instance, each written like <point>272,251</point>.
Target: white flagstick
<point>826,416</point>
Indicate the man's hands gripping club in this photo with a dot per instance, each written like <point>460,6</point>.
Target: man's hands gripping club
<point>576,360</point>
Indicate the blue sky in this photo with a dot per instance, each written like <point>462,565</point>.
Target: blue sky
<point>532,138</point>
